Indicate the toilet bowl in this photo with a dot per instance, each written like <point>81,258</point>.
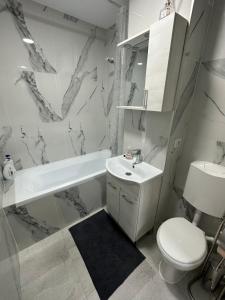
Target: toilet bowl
<point>183,247</point>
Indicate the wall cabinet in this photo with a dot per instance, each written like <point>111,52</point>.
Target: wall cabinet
<point>131,206</point>
<point>153,61</point>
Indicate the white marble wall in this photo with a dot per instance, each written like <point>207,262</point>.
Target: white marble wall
<point>52,105</point>
<point>149,131</point>
<point>58,99</point>
<point>159,132</point>
<point>171,195</point>
<point>143,13</point>
<point>9,261</point>
<point>205,139</point>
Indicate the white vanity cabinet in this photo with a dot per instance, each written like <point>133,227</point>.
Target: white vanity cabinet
<point>129,206</point>
<point>133,206</point>
<point>153,63</point>
<point>113,199</point>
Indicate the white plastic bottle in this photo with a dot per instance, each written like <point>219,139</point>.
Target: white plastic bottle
<point>8,168</point>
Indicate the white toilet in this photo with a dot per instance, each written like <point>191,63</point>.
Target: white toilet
<point>182,244</point>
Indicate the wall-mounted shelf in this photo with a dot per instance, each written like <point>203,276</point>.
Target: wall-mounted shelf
<point>136,39</point>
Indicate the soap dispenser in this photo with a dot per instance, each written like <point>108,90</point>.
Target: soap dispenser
<point>8,168</point>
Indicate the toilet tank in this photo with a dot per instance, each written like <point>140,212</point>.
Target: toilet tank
<point>205,188</point>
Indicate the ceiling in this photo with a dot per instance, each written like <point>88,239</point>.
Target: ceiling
<point>101,13</point>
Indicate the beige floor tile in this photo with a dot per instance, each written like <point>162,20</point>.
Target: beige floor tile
<point>37,260</point>
<point>54,269</point>
<point>135,282</point>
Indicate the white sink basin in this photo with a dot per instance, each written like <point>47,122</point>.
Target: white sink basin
<point>122,168</point>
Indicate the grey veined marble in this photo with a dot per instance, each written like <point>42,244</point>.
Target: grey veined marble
<point>196,24</point>
<point>115,3</point>
<point>78,76</point>
<point>216,67</point>
<point>46,111</point>
<point>131,95</point>
<point>220,153</point>
<point>77,140</point>
<point>141,125</point>
<point>39,229</point>
<point>130,70</point>
<point>185,97</point>
<point>37,58</point>
<point>73,197</point>
<point>70,18</point>
<point>38,153</point>
<point>5,134</point>
<point>219,109</point>
<point>157,148</point>
<point>40,142</point>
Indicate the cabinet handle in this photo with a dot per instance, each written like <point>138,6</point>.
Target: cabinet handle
<point>112,186</point>
<point>126,199</point>
<point>145,98</point>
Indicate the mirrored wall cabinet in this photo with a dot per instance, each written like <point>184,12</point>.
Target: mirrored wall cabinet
<point>152,65</point>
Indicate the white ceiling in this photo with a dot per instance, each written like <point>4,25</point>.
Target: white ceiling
<point>101,13</point>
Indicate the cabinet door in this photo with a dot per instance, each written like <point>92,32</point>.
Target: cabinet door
<point>128,214</point>
<point>163,63</point>
<point>113,199</point>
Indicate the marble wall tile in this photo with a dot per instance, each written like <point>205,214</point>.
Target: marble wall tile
<point>36,54</point>
<point>220,153</point>
<point>205,132</point>
<point>6,133</point>
<point>216,66</point>
<point>40,219</point>
<point>44,107</point>
<point>183,114</point>
<point>143,13</point>
<point>60,103</point>
<point>9,261</point>
<point>78,76</point>
<point>148,131</point>
<point>69,97</point>
<point>73,198</point>
<point>26,227</point>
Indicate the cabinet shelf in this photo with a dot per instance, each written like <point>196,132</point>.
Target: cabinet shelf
<point>132,107</point>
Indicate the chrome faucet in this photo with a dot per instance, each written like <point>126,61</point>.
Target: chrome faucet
<point>136,153</point>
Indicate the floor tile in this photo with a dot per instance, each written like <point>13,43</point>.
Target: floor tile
<point>54,269</point>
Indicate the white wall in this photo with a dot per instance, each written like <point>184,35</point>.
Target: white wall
<point>143,13</point>
<point>36,124</point>
<point>9,260</point>
<point>206,133</point>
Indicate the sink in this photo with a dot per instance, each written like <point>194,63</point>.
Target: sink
<point>122,168</point>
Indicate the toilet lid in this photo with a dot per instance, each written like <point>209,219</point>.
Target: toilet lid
<point>182,241</point>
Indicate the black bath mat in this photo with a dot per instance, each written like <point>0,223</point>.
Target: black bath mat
<point>109,255</point>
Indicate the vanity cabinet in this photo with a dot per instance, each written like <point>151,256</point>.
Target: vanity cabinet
<point>133,206</point>
<point>153,61</point>
<point>128,213</point>
<point>113,199</point>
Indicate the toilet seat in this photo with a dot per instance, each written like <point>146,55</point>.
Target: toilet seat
<point>182,243</point>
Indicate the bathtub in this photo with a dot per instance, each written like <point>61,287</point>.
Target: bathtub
<point>37,182</point>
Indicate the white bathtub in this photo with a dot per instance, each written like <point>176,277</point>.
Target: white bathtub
<point>37,182</point>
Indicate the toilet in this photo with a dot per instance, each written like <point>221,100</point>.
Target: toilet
<point>182,244</point>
